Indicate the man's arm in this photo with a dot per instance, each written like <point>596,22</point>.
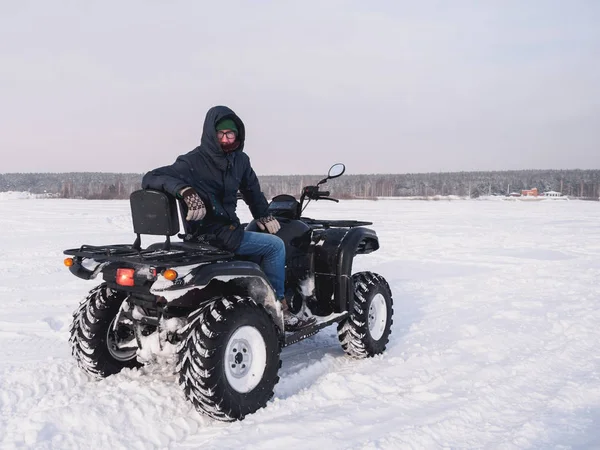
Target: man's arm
<point>171,179</point>
<point>253,196</point>
<point>176,179</point>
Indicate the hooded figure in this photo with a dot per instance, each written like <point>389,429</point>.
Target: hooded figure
<point>208,179</point>
<point>215,173</point>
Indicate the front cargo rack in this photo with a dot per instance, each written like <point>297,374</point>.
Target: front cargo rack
<point>335,223</point>
<point>178,253</point>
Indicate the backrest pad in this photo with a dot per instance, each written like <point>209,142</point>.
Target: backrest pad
<point>154,212</point>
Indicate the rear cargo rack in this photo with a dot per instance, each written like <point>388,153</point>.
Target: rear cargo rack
<point>177,254</point>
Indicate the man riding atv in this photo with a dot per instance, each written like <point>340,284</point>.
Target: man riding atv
<point>208,179</point>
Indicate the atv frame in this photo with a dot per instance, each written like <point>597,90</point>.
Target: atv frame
<point>217,310</point>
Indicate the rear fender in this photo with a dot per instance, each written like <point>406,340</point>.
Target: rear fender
<point>86,269</point>
<point>206,281</point>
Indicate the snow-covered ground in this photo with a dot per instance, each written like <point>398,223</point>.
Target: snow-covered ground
<point>495,341</point>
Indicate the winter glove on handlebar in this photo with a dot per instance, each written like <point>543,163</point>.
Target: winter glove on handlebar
<point>196,208</point>
<point>269,223</point>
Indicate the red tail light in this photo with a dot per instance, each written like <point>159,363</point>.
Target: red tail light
<point>125,277</point>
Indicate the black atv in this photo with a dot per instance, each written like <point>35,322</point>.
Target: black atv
<point>216,312</point>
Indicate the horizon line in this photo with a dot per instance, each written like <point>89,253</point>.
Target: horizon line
<point>321,174</point>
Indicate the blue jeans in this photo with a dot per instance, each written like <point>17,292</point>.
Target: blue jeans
<point>271,249</point>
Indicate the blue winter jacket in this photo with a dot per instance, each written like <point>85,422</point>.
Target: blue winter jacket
<point>217,177</point>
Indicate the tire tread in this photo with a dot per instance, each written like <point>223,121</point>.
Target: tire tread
<point>198,353</point>
<point>353,332</point>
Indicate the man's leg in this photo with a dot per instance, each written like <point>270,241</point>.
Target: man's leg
<point>272,250</point>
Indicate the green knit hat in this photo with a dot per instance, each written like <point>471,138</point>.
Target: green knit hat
<point>227,124</point>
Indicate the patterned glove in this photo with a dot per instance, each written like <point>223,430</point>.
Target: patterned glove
<point>269,223</point>
<point>196,208</point>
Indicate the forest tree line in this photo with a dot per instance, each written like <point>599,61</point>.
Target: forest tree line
<point>97,185</point>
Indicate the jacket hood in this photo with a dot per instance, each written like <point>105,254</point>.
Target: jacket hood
<point>209,133</point>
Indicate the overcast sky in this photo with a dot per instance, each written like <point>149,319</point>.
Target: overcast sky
<point>384,86</point>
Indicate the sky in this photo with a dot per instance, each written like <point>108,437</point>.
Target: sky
<point>383,86</point>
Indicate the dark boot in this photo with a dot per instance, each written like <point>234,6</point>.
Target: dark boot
<point>293,322</point>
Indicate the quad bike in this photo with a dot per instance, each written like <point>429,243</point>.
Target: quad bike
<point>216,313</point>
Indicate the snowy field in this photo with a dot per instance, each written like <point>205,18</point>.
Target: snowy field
<point>495,342</point>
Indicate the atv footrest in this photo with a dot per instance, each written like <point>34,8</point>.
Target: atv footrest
<point>322,322</point>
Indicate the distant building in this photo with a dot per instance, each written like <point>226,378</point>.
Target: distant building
<point>552,194</point>
<point>529,192</point>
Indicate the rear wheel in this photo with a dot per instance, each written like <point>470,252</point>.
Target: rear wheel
<point>99,348</point>
<point>229,358</point>
<point>366,331</point>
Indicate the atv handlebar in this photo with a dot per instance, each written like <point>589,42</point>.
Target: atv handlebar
<point>313,192</point>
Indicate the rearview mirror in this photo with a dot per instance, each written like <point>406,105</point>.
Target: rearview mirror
<point>336,170</point>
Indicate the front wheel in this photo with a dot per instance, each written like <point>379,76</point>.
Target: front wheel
<point>366,331</point>
<point>229,358</point>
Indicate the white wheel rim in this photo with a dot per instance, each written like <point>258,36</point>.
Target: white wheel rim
<point>377,316</point>
<point>245,359</point>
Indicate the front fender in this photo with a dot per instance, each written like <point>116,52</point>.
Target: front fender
<point>335,249</point>
<point>356,242</point>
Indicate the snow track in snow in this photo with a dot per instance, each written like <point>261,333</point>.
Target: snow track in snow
<point>494,344</point>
